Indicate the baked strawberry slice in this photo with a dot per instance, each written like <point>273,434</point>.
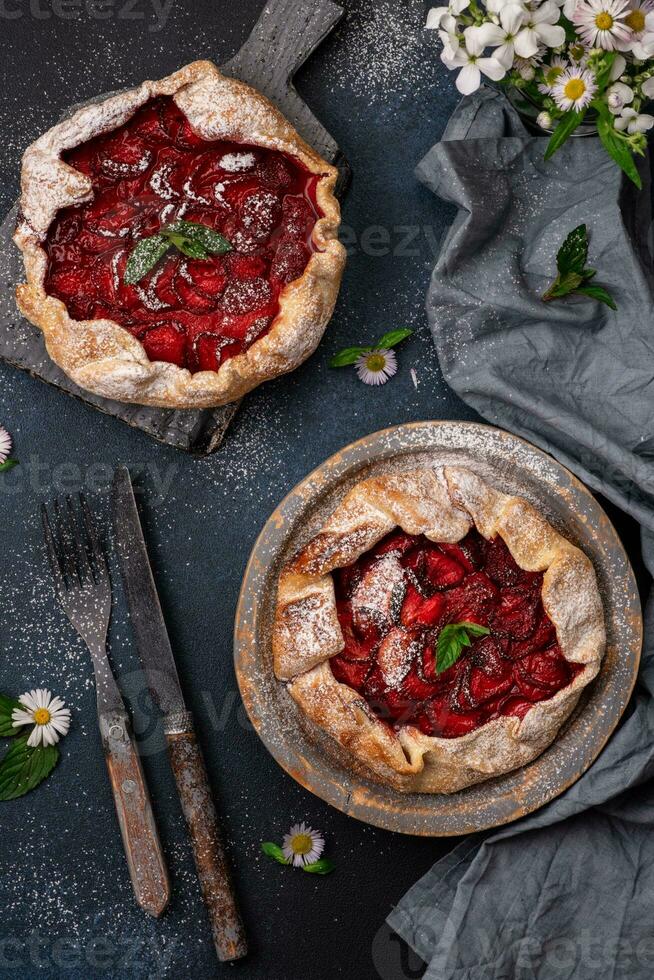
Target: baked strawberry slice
<point>260,212</point>
<point>115,222</point>
<point>290,261</point>
<point>397,542</point>
<point>246,266</point>
<point>465,552</point>
<point>516,614</point>
<point>147,124</point>
<point>347,580</point>
<point>298,218</point>
<point>442,571</point>
<point>420,611</point>
<point>487,681</point>
<point>243,296</point>
<point>441,720</point>
<point>190,297</point>
<point>415,690</point>
<point>350,672</point>
<point>548,669</point>
<point>543,636</point>
<point>166,342</point>
<point>69,281</point>
<point>274,170</point>
<point>473,601</point>
<point>515,706</point>
<point>500,564</point>
<point>124,155</point>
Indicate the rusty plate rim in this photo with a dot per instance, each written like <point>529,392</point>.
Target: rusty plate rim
<point>311,760</point>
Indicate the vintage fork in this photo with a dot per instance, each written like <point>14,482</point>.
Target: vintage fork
<point>83,587</point>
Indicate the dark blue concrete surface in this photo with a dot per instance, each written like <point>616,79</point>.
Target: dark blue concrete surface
<point>66,908</point>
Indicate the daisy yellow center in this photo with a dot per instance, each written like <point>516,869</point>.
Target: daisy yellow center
<point>376,362</point>
<point>41,716</point>
<point>574,89</point>
<point>603,21</point>
<point>635,20</point>
<point>552,74</point>
<point>301,844</point>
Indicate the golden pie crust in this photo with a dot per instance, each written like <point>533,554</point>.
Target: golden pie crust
<point>443,504</point>
<point>102,357</point>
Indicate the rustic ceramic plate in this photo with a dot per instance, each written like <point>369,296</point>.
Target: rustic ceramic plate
<point>514,466</point>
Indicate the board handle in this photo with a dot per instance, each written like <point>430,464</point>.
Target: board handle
<point>287,32</point>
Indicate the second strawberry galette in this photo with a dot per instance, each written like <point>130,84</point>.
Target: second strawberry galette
<point>439,630</point>
<point>180,242</point>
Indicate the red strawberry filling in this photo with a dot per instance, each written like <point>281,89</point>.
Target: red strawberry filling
<point>392,604</point>
<point>152,171</point>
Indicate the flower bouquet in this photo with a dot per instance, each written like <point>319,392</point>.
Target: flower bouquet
<point>572,60</point>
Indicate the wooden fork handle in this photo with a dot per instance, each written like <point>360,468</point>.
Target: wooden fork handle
<point>206,839</point>
<point>145,860</point>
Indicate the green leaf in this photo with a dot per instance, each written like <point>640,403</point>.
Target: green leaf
<point>7,706</point>
<point>322,867</point>
<point>563,286</point>
<point>144,257</point>
<point>212,241</point>
<point>347,356</point>
<point>8,465</point>
<point>568,124</point>
<point>598,293</point>
<point>393,338</point>
<point>589,274</point>
<point>572,255</point>
<point>616,145</point>
<point>23,768</point>
<point>452,641</point>
<point>189,247</point>
<point>274,852</point>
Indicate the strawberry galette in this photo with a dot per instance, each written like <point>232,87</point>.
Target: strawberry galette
<point>180,242</point>
<point>439,630</point>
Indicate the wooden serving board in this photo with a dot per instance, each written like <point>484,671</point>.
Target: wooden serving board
<point>287,32</point>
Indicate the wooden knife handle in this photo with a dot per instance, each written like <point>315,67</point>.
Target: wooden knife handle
<point>210,860</point>
<point>145,860</point>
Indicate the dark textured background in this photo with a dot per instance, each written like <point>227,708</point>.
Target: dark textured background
<point>66,907</point>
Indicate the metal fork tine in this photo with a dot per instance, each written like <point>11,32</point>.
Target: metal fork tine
<point>66,546</point>
<point>94,539</point>
<point>83,563</point>
<point>60,582</point>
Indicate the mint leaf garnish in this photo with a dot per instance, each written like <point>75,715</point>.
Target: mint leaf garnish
<point>393,338</point>
<point>23,768</point>
<point>144,257</point>
<point>349,355</point>
<point>8,465</point>
<point>573,276</point>
<point>212,241</point>
<point>7,706</point>
<point>192,239</point>
<point>453,639</point>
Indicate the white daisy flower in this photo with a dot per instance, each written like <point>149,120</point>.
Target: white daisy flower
<point>470,59</point>
<point>5,445</point>
<point>48,715</point>
<point>641,42</point>
<point>574,89</point>
<point>303,845</point>
<point>633,122</point>
<point>376,367</point>
<point>602,23</point>
<point>539,28</point>
<point>502,36</point>
<point>551,74</point>
<point>636,18</point>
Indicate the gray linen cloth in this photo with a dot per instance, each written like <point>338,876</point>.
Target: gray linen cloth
<point>569,891</point>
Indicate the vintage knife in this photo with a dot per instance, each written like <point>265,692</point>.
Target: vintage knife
<point>184,752</point>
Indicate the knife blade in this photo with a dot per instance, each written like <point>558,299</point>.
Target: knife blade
<point>186,760</point>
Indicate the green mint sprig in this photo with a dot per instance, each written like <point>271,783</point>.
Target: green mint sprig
<point>8,465</point>
<point>573,276</point>
<point>22,767</point>
<point>192,239</point>
<point>350,355</point>
<point>321,867</point>
<point>452,641</point>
